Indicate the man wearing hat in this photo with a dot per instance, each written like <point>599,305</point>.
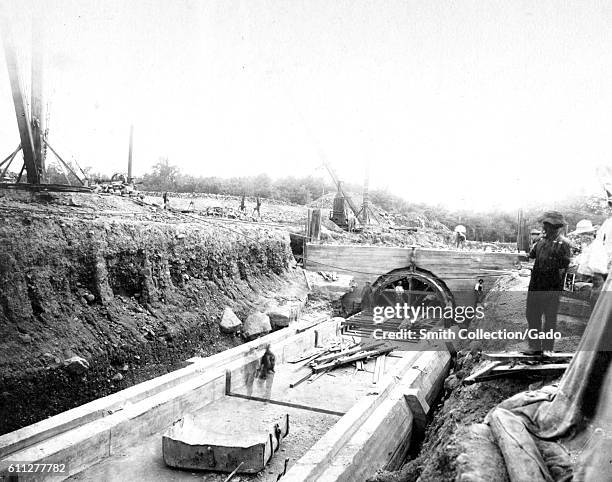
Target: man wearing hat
<point>552,258</point>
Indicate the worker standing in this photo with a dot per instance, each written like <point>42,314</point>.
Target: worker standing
<point>460,236</point>
<point>552,258</point>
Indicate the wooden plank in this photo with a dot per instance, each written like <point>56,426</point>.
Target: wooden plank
<point>379,369</point>
<point>301,379</point>
<point>483,371</point>
<point>522,356</point>
<point>419,408</point>
<point>351,351</point>
<point>307,356</point>
<point>531,368</point>
<point>286,404</point>
<point>352,358</point>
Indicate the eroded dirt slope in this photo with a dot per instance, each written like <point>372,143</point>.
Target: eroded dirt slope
<point>133,297</point>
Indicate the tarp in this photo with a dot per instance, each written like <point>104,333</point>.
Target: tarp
<point>564,432</point>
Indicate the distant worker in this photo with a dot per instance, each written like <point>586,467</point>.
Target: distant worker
<point>478,300</point>
<point>166,198</point>
<point>460,236</point>
<point>552,258</point>
<point>399,292</point>
<point>351,223</point>
<point>257,207</point>
<point>459,240</point>
<point>267,363</point>
<point>478,292</point>
<point>242,203</point>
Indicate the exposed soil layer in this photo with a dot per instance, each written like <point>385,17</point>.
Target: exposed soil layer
<point>133,297</point>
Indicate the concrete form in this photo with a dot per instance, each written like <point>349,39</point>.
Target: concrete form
<point>343,427</point>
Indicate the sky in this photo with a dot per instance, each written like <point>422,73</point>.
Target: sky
<point>470,104</point>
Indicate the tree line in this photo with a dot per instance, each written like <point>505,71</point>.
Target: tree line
<point>489,226</point>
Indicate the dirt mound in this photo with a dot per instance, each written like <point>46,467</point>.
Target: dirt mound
<point>271,210</point>
<point>132,297</point>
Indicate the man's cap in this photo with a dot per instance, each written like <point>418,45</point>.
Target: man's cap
<point>553,217</point>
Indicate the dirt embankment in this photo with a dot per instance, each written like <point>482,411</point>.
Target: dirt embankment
<point>132,298</point>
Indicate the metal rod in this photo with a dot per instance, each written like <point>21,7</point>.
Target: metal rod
<point>229,477</point>
<point>10,160</point>
<point>21,172</point>
<point>63,162</point>
<point>287,404</point>
<point>11,155</point>
<point>129,173</point>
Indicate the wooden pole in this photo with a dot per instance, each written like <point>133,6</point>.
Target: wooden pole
<point>10,160</point>
<point>314,224</point>
<point>63,162</point>
<point>11,156</point>
<point>38,115</point>
<point>19,101</point>
<point>129,174</point>
<point>365,207</point>
<point>21,172</point>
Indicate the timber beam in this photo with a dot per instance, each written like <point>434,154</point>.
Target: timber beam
<point>19,100</point>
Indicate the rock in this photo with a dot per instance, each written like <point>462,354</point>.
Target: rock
<point>525,272</point>
<point>281,316</point>
<point>229,323</point>
<point>90,298</point>
<point>25,338</point>
<point>451,383</point>
<point>256,324</point>
<point>118,377</point>
<point>76,365</point>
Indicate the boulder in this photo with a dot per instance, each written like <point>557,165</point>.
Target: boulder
<point>282,316</point>
<point>229,323</point>
<point>76,365</point>
<point>256,324</point>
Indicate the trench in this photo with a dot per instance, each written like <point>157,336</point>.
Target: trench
<point>345,425</point>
